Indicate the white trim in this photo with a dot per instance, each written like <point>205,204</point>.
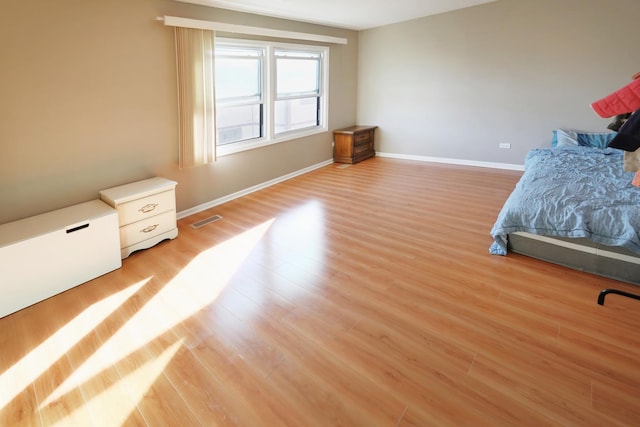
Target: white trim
<point>237,194</point>
<point>493,165</point>
<point>228,198</point>
<point>175,21</point>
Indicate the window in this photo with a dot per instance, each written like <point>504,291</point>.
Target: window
<point>297,100</point>
<point>268,93</point>
<point>239,100</point>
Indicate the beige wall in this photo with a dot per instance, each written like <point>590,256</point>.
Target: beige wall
<point>88,101</point>
<point>456,85</point>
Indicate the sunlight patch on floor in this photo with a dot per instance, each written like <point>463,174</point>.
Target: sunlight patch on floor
<point>195,287</point>
<point>34,364</point>
<point>304,233</point>
<point>122,398</point>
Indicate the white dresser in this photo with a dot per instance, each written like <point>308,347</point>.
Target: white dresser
<point>146,212</point>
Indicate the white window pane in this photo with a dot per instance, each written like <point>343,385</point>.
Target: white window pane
<point>297,76</point>
<point>238,123</point>
<point>293,114</point>
<point>237,78</point>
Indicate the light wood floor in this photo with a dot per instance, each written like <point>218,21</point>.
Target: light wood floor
<point>357,296</point>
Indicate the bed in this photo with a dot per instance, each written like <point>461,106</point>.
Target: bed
<point>574,206</point>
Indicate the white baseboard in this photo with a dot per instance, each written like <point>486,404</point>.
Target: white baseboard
<point>252,189</point>
<point>493,165</point>
<point>227,198</point>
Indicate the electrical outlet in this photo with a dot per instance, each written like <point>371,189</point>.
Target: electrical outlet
<point>504,145</point>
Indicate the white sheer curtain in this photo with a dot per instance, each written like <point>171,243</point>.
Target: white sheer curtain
<point>196,99</point>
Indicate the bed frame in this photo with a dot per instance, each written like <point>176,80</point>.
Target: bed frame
<point>580,254</point>
<point>584,255</point>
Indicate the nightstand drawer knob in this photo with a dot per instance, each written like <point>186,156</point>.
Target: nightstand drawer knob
<point>149,229</point>
<point>148,208</point>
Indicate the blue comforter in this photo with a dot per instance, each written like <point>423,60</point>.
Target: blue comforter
<point>573,192</point>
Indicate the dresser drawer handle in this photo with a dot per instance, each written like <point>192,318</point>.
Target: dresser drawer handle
<point>148,208</point>
<point>149,229</point>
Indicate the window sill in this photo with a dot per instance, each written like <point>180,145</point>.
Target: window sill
<point>239,147</point>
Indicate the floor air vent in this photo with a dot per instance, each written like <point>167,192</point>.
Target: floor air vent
<point>206,221</point>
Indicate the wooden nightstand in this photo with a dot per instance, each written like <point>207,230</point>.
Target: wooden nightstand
<point>353,144</point>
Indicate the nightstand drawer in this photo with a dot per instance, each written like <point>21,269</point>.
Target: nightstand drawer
<point>145,207</point>
<point>147,228</point>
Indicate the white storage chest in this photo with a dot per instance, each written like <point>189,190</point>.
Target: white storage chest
<point>46,254</point>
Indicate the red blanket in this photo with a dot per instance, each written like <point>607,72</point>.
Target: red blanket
<point>624,100</point>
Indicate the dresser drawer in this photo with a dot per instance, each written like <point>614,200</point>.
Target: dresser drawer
<point>362,138</point>
<point>147,228</point>
<point>357,149</point>
<point>145,207</point>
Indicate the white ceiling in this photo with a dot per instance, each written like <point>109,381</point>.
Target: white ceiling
<point>351,14</point>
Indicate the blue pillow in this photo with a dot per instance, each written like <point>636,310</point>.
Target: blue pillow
<point>567,138</point>
<point>595,140</point>
<point>584,139</point>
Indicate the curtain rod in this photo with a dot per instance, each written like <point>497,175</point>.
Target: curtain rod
<point>174,21</point>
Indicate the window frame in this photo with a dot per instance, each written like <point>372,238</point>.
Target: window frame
<point>269,94</point>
